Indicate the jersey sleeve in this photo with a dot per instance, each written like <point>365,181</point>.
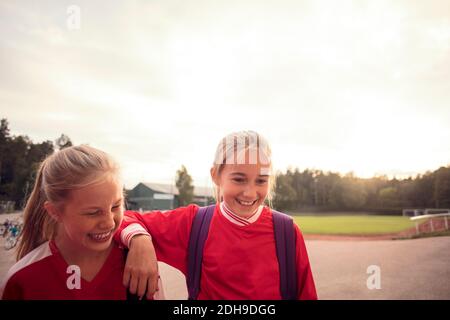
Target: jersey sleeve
<point>11,290</point>
<point>169,230</point>
<point>130,229</point>
<point>305,281</point>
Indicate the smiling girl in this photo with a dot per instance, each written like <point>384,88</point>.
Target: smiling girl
<point>241,256</point>
<point>66,249</point>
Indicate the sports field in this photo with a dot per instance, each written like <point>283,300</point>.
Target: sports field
<point>353,224</point>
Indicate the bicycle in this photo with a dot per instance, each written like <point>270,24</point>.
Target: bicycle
<point>14,231</point>
<point>2,230</point>
<point>10,242</point>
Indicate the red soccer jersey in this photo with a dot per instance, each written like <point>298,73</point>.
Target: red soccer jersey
<point>239,262</point>
<point>42,274</point>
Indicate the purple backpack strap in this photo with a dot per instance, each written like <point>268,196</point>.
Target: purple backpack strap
<point>197,238</point>
<point>285,240</point>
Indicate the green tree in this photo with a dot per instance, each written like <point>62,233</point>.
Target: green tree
<point>19,161</point>
<point>441,194</point>
<point>4,140</point>
<point>323,184</point>
<point>16,169</point>
<point>405,191</point>
<point>389,197</point>
<point>285,196</point>
<point>354,196</point>
<point>63,142</point>
<point>422,191</point>
<point>185,187</point>
<point>335,198</point>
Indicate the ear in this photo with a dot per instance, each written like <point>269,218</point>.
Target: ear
<point>53,210</point>
<point>215,176</point>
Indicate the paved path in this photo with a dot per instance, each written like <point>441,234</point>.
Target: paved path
<point>409,269</point>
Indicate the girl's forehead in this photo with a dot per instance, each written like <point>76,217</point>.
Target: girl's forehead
<point>108,190</point>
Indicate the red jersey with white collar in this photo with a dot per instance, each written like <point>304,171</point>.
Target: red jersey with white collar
<point>43,274</point>
<point>239,261</point>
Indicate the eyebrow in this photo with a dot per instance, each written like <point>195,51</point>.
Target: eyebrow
<point>97,207</point>
<point>244,175</point>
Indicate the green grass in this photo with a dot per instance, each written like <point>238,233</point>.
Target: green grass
<point>353,225</point>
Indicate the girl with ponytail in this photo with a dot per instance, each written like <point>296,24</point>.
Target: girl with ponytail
<point>66,249</point>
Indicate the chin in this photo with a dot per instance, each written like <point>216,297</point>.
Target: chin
<point>99,246</point>
<point>102,248</point>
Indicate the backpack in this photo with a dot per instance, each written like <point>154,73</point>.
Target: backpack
<point>285,247</point>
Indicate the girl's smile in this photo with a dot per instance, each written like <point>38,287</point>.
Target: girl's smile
<point>246,203</point>
<point>101,237</point>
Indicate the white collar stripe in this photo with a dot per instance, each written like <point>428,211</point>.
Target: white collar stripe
<point>231,213</point>
<point>231,216</point>
<point>234,217</point>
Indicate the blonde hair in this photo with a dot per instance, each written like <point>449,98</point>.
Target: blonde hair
<point>65,170</point>
<point>243,147</point>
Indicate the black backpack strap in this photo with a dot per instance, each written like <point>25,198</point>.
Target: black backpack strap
<point>197,238</point>
<point>285,240</point>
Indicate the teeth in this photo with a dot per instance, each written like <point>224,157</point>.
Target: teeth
<point>246,203</point>
<point>100,236</point>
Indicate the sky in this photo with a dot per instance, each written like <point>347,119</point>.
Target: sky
<point>344,86</point>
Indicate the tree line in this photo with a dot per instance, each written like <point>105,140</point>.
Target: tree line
<point>316,190</point>
<point>19,160</point>
<point>295,190</point>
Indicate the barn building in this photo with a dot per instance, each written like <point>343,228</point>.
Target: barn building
<point>157,196</point>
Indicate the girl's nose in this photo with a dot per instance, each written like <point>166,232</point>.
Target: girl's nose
<point>108,221</point>
<point>249,192</point>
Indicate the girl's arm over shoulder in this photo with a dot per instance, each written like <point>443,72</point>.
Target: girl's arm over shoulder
<point>170,232</point>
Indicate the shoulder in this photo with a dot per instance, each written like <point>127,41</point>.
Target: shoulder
<point>282,217</point>
<point>24,268</point>
<point>177,215</point>
<point>188,210</point>
<point>287,217</point>
<point>186,213</point>
<point>279,213</point>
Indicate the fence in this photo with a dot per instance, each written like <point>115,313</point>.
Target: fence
<point>430,217</point>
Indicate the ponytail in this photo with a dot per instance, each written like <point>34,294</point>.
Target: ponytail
<point>38,226</point>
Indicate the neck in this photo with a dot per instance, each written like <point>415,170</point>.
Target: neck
<point>244,216</point>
